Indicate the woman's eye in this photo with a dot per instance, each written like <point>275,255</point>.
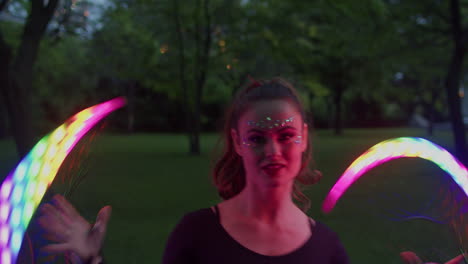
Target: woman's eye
<point>256,139</point>
<point>286,137</point>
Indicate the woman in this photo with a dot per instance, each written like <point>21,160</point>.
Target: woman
<point>266,156</point>
<point>264,163</point>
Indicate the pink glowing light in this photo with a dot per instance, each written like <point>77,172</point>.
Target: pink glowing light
<point>393,149</point>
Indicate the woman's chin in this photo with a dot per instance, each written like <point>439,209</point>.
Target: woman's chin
<point>277,179</point>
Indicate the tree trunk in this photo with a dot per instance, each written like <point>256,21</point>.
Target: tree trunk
<point>130,87</point>
<point>16,100</point>
<point>188,118</point>
<point>203,60</point>
<point>195,117</point>
<point>3,4</point>
<point>431,112</point>
<point>3,122</point>
<point>17,79</point>
<point>5,60</point>
<point>330,109</point>
<point>453,83</point>
<point>456,119</point>
<point>337,98</point>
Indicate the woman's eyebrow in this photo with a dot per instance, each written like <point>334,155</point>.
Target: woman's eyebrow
<point>255,130</point>
<point>287,127</point>
<point>267,130</point>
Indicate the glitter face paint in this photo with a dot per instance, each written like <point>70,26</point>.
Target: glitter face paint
<point>23,189</point>
<point>269,125</point>
<point>271,156</point>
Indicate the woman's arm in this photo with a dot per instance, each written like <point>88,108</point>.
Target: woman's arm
<point>180,246</point>
<point>340,256</point>
<point>410,257</point>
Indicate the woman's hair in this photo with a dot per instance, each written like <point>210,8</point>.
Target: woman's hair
<point>229,172</point>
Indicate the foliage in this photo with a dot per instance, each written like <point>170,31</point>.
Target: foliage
<point>125,47</point>
<point>64,79</point>
<point>388,56</point>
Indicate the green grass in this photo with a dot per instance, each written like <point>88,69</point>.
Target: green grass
<point>151,183</point>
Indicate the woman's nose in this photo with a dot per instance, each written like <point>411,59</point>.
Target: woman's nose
<point>271,147</point>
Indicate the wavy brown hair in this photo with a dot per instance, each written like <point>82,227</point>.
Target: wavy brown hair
<point>229,172</point>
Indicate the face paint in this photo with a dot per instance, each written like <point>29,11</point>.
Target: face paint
<point>269,126</point>
<point>270,123</point>
<point>258,144</point>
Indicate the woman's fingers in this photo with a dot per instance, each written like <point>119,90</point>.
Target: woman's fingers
<point>409,257</point>
<point>63,224</point>
<point>54,212</point>
<point>50,218</point>
<point>99,229</point>
<point>51,214</point>
<point>55,230</point>
<point>54,237</point>
<point>103,218</point>
<point>56,248</point>
<point>64,206</point>
<point>50,211</point>
<point>456,260</point>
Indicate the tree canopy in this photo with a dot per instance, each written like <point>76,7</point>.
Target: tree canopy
<point>372,63</point>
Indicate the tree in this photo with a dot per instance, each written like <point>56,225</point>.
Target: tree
<point>460,42</point>
<point>438,24</point>
<point>17,72</point>
<point>126,50</point>
<point>332,45</point>
<point>200,35</point>
<point>3,122</point>
<point>64,80</point>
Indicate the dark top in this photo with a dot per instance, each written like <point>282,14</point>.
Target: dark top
<point>200,238</point>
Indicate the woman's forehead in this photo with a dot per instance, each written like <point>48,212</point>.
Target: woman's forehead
<point>270,114</point>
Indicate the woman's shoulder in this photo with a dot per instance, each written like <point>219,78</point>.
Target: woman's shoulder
<point>192,223</point>
<point>197,213</point>
<point>185,238</point>
<point>327,238</point>
<point>324,231</point>
<point>202,216</point>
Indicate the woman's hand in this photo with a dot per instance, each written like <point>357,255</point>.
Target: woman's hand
<point>409,257</point>
<point>71,232</point>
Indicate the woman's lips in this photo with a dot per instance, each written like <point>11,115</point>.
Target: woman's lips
<point>272,169</point>
<point>273,166</point>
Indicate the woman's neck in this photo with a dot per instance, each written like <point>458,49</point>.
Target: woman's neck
<point>267,205</point>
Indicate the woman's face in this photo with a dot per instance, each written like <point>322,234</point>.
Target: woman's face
<point>271,137</point>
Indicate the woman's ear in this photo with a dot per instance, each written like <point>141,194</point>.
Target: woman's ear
<point>305,139</point>
<point>236,141</point>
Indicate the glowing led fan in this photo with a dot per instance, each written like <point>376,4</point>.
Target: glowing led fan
<point>23,189</point>
<point>393,149</point>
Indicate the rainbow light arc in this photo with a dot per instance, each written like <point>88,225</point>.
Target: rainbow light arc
<point>23,189</point>
<point>394,149</point>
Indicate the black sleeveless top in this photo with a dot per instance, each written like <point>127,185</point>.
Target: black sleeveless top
<point>199,237</point>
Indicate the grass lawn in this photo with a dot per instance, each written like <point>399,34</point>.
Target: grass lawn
<point>151,183</point>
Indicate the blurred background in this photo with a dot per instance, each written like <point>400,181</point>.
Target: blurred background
<point>366,71</point>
